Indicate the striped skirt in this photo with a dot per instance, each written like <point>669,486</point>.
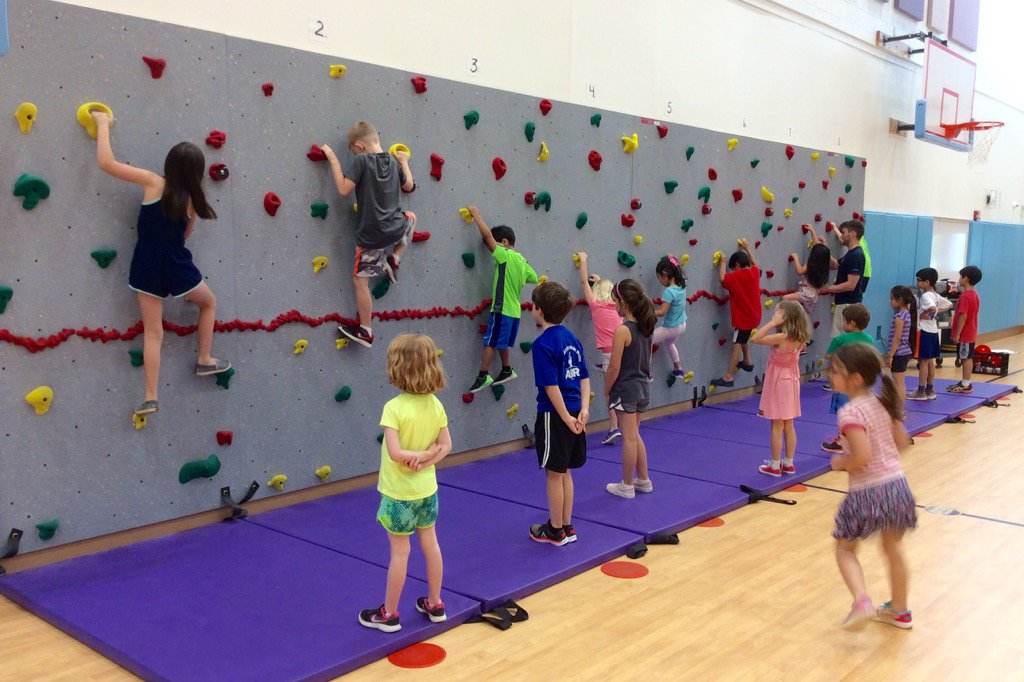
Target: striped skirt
<point>887,506</point>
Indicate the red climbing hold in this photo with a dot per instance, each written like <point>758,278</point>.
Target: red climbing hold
<point>224,437</point>
<point>545,107</point>
<point>467,398</point>
<point>769,273</point>
<point>856,216</point>
<point>529,198</point>
<point>842,200</point>
<point>693,242</point>
<point>627,220</point>
<point>436,161</point>
<point>499,167</point>
<point>817,217</point>
<point>779,227</point>
<point>817,324</point>
<point>635,204</point>
<point>737,194</point>
<point>315,153</point>
<point>824,184</point>
<point>829,226</point>
<point>806,228</point>
<point>595,159</point>
<point>757,244</point>
<point>705,209</point>
<point>268,89</point>
<point>216,139</point>
<point>419,84</point>
<point>418,237</point>
<point>156,66</point>
<point>483,328</point>
<point>712,174</point>
<point>654,348</point>
<point>801,184</point>
<point>662,131</point>
<point>271,202</point>
<point>864,163</point>
<point>769,211</point>
<point>790,258</point>
<point>218,172</point>
<point>721,342</point>
<point>790,151</point>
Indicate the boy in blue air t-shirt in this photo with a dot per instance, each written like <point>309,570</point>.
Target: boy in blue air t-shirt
<point>563,408</point>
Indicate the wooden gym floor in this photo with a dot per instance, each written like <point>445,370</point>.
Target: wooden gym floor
<point>756,598</point>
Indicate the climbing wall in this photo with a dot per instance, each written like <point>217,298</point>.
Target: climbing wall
<point>70,324</point>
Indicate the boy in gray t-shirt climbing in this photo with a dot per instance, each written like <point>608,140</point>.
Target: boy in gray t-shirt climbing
<point>377,178</point>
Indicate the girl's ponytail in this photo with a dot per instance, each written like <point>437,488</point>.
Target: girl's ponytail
<point>891,398</point>
<point>864,361</point>
<point>631,293</point>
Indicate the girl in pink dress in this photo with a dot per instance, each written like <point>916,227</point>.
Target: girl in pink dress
<point>598,293</point>
<point>787,333</point>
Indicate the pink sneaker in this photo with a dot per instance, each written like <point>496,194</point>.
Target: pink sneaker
<point>887,614</point>
<point>859,615</point>
<point>770,468</point>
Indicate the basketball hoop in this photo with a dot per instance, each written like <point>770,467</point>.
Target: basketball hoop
<point>984,133</point>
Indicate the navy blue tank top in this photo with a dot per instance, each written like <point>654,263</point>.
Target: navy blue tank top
<point>155,228</point>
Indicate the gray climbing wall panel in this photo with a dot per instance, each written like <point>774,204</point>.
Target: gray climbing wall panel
<point>85,463</point>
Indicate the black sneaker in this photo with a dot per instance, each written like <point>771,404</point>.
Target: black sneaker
<point>826,386</point>
<point>545,533</point>
<point>745,367</point>
<point>570,533</point>
<point>391,269</point>
<point>434,612</point>
<point>357,334</point>
<point>481,383</point>
<point>375,618</point>
<point>505,376</point>
<point>832,446</point>
<point>722,382</point>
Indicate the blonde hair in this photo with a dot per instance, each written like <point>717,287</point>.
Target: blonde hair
<point>795,323</point>
<point>602,289</point>
<point>361,131</point>
<point>413,364</point>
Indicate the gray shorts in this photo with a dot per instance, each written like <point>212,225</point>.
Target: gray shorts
<point>372,262</point>
<point>628,406</point>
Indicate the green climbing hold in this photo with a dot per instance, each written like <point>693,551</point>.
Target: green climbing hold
<point>754,162</point>
<point>848,188</point>
<point>671,380</point>
<point>380,437</point>
<point>318,210</point>
<point>104,257</point>
<point>595,120</point>
<point>581,220</point>
<point>32,188</point>
<point>199,468</point>
<point>135,356</point>
<point>469,259</point>
<point>796,199</point>
<point>381,288</point>
<point>498,391</point>
<point>704,193</point>
<point>687,224</point>
<point>471,117</point>
<point>849,160</point>
<point>6,293</point>
<point>766,227</point>
<point>670,186</point>
<point>525,346</point>
<point>529,130</point>
<point>344,394</point>
<point>543,199</point>
<point>224,378</point>
<point>714,325</point>
<point>47,529</point>
<point>689,152</point>
<point>626,260</point>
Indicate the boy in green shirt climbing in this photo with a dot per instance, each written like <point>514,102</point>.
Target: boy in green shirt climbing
<point>511,273</point>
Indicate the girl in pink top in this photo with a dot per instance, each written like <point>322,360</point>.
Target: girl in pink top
<point>598,294</point>
<point>879,500</point>
<point>786,333</point>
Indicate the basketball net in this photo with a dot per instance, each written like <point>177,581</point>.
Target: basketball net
<point>985,134</point>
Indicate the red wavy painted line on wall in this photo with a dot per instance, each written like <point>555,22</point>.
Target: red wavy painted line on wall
<point>36,345</point>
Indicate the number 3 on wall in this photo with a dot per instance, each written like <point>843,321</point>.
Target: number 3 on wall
<point>317,29</point>
<point>473,65</point>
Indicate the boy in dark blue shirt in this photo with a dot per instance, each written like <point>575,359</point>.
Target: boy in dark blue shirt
<point>563,408</point>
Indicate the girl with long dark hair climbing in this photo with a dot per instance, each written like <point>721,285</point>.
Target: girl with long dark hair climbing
<point>161,265</point>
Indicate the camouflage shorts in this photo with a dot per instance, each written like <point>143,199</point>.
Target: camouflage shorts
<point>371,262</point>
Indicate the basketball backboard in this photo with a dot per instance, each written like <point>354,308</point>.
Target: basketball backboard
<point>947,97</point>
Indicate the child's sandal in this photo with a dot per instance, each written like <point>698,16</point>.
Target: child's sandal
<point>148,407</point>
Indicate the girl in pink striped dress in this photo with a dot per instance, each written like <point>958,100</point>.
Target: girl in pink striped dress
<point>879,501</point>
<point>786,333</point>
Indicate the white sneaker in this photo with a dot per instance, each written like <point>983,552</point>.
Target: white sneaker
<point>621,489</point>
<point>642,485</point>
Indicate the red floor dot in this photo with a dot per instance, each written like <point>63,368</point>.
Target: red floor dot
<point>712,523</point>
<point>967,415</point>
<point>924,434</point>
<point>624,569</point>
<point>419,655</point>
<point>797,488</point>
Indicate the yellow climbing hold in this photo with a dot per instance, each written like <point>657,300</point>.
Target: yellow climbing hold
<point>319,263</point>
<point>300,347</point>
<point>85,117</point>
<point>544,152</point>
<point>684,258</point>
<point>40,398</point>
<point>139,420</point>
<point>576,260</point>
<point>341,343</point>
<point>831,172</point>
<point>815,156</point>
<point>355,208</point>
<point>399,147</point>
<point>810,243</point>
<point>511,412</point>
<point>466,215</point>
<point>821,363</point>
<point>440,352</point>
<point>542,279</point>
<point>277,481</point>
<point>766,195</point>
<point>788,212</point>
<point>688,377</point>
<point>631,143</point>
<point>711,388</point>
<point>323,473</point>
<point>591,398</point>
<point>731,144</point>
<point>26,115</point>
<point>638,240</point>
<point>338,70</point>
<point>717,258</point>
<point>769,303</point>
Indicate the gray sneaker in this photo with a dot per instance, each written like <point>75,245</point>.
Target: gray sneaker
<point>148,407</point>
<point>218,367</point>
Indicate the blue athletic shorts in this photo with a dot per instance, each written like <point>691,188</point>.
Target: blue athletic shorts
<point>160,270</point>
<point>928,346</point>
<point>501,331</point>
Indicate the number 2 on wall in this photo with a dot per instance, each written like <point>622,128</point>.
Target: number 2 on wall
<point>317,29</point>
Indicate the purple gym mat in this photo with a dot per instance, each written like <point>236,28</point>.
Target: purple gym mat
<point>982,389</point>
<point>713,460</point>
<point>946,404</point>
<point>485,542</point>
<point>740,427</point>
<point>226,602</point>
<point>676,503</point>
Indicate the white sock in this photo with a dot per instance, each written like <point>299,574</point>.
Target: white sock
<point>787,462</point>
